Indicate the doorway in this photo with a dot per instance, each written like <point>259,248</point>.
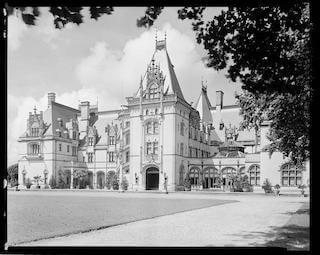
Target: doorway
<point>152,178</point>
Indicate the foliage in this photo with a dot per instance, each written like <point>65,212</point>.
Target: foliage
<point>124,183</point>
<point>151,14</point>
<point>267,186</point>
<point>80,178</point>
<point>266,48</point>
<point>61,15</point>
<point>12,174</point>
<point>115,182</point>
<point>37,179</point>
<point>187,183</point>
<point>277,186</point>
<point>112,180</point>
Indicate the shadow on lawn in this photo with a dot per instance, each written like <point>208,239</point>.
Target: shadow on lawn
<point>291,237</point>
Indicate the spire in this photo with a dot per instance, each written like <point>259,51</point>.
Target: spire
<point>203,105</point>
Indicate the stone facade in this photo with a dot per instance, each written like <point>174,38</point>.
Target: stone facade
<point>154,142</point>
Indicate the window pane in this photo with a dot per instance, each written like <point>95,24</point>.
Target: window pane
<point>299,180</point>
<point>291,181</point>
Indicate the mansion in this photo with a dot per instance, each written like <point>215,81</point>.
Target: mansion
<point>153,142</point>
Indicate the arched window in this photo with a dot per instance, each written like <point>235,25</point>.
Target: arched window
<point>194,176</point>
<point>210,177</point>
<point>254,175</point>
<point>291,175</point>
<point>181,174</point>
<point>229,172</point>
<point>149,128</point>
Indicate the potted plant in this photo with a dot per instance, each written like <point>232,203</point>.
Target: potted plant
<point>302,189</point>
<point>267,186</point>
<point>277,189</point>
<point>187,184</point>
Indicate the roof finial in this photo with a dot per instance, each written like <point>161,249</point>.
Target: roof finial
<point>35,110</point>
<point>165,35</point>
<point>156,35</point>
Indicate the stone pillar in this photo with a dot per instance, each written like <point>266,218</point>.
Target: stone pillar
<point>71,177</point>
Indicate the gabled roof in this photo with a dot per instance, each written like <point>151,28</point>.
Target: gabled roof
<point>203,106</point>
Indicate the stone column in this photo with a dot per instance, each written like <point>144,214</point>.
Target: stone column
<point>71,177</point>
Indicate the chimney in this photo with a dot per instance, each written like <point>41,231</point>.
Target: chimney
<point>219,102</point>
<point>84,108</point>
<point>51,98</point>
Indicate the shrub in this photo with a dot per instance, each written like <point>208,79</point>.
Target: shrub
<point>277,186</point>
<point>187,183</point>
<point>115,182</point>
<point>124,183</point>
<point>267,186</point>
<point>302,186</point>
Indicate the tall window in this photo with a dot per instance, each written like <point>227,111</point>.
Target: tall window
<point>74,151</point>
<point>181,149</point>
<point>68,148</point>
<point>242,171</point>
<point>190,151</point>
<point>182,129</point>
<point>34,131</point>
<point>60,147</point>
<point>90,141</point>
<point>194,176</point>
<point>90,157</point>
<point>127,156</point>
<point>35,149</point>
<point>127,139</point>
<point>155,148</point>
<point>74,135</point>
<point>149,148</point>
<point>254,175</point>
<point>111,140</point>
<point>149,128</point>
<point>111,156</point>
<point>155,127</point>
<point>291,175</point>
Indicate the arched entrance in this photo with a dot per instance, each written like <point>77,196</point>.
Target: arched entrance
<point>152,178</point>
<point>101,180</point>
<point>227,177</point>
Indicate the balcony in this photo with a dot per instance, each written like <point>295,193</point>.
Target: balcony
<point>38,156</point>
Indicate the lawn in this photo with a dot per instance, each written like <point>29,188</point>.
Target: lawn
<point>42,214</point>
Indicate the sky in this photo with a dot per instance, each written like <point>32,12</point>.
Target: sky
<point>98,61</point>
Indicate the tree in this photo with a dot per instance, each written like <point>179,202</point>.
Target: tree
<point>62,15</point>
<point>266,48</point>
<point>12,174</point>
<point>79,174</point>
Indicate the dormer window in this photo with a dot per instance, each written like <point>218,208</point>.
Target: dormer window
<point>153,92</point>
<point>35,149</point>
<point>34,131</point>
<point>90,141</point>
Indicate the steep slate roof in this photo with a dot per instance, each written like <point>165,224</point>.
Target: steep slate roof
<point>203,106</point>
<point>161,58</point>
<point>56,111</point>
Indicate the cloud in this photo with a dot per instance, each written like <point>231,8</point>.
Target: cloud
<point>111,75</point>
<point>16,29</point>
<point>117,74</point>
